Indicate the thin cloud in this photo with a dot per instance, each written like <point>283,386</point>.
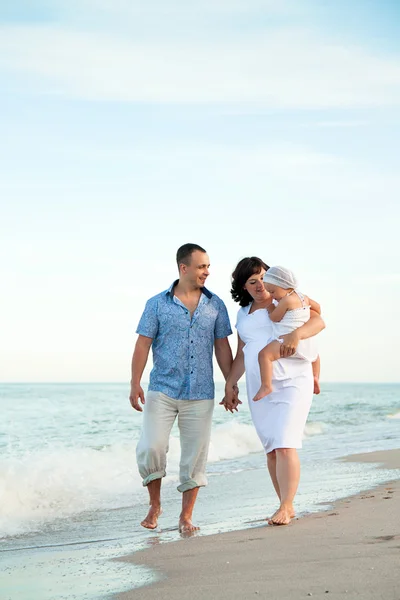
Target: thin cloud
<point>128,8</point>
<point>288,68</point>
<point>335,124</point>
<point>376,279</point>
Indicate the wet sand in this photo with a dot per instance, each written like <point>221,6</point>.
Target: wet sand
<point>350,551</point>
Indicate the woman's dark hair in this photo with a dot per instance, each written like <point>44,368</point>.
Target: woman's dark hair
<point>244,270</point>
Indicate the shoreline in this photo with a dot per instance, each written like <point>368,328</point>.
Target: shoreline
<point>351,550</point>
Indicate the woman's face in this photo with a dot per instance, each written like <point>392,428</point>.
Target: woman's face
<point>255,286</point>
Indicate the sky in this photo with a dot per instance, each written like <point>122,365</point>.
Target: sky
<point>250,127</point>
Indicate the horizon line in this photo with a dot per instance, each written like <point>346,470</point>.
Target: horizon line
<point>119,382</point>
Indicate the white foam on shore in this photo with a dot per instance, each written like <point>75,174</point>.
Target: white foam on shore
<point>59,482</point>
<point>315,428</point>
<point>43,486</point>
<point>233,440</point>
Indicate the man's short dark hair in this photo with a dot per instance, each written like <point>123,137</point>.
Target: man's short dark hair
<point>185,252</point>
<point>244,270</point>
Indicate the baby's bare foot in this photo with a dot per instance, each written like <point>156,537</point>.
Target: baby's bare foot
<point>262,392</point>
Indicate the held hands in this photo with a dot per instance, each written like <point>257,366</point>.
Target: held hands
<point>231,398</point>
<point>136,395</point>
<point>289,344</point>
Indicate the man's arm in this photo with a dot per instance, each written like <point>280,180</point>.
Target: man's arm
<point>231,400</point>
<point>291,340</point>
<point>139,360</point>
<point>223,354</point>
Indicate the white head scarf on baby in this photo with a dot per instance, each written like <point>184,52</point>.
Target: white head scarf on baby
<point>281,277</point>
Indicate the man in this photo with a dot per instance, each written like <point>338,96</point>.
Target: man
<point>182,324</point>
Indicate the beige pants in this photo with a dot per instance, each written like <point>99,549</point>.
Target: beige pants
<point>194,422</point>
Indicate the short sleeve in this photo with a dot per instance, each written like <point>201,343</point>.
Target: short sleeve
<point>222,325</point>
<point>148,324</point>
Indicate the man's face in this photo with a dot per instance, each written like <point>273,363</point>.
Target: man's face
<point>197,271</point>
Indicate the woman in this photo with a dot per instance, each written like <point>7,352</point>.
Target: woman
<point>280,417</point>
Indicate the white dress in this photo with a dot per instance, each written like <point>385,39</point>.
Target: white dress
<point>280,417</point>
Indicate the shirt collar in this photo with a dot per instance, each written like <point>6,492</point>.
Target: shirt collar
<point>204,290</point>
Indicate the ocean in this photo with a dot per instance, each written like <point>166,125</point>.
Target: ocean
<point>71,498</point>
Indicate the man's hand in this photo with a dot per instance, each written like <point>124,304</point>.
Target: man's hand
<point>136,395</point>
<point>289,344</point>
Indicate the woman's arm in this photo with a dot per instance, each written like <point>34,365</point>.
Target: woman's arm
<point>291,340</point>
<point>314,326</point>
<point>314,306</point>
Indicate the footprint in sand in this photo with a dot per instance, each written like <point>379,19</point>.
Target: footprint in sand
<point>385,538</point>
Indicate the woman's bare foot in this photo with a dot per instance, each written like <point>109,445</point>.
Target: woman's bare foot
<point>282,516</point>
<point>317,389</point>
<point>186,526</point>
<point>151,520</point>
<point>292,515</point>
<point>262,392</point>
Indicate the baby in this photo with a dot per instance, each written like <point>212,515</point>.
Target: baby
<point>291,310</point>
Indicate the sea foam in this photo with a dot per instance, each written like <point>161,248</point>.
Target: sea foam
<point>60,482</point>
<point>315,428</point>
<point>40,487</point>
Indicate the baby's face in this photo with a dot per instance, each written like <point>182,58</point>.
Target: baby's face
<point>277,293</point>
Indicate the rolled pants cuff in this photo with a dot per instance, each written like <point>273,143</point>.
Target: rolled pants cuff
<point>152,477</point>
<point>190,484</point>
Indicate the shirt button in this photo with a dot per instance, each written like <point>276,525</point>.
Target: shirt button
<point>191,341</point>
<point>191,357</point>
<point>191,372</point>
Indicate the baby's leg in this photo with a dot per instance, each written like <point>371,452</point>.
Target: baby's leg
<point>266,357</point>
<point>316,368</point>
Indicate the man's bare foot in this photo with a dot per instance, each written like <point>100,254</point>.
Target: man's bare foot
<point>262,392</point>
<point>317,389</point>
<point>186,526</point>
<point>282,516</point>
<point>151,520</point>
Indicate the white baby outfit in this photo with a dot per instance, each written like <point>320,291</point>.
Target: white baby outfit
<point>292,319</point>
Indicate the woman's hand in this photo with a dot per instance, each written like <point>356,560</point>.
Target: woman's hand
<point>231,398</point>
<point>289,344</point>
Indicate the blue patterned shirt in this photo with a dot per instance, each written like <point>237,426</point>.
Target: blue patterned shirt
<point>183,346</point>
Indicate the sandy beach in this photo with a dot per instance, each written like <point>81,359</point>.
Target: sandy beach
<point>351,550</point>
